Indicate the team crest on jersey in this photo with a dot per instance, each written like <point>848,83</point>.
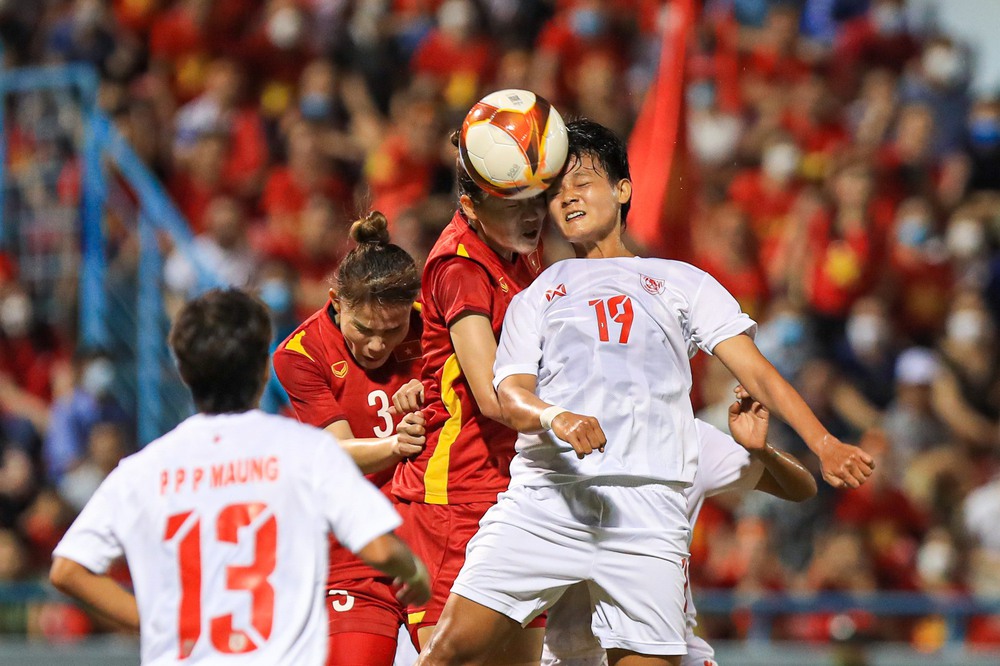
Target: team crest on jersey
<point>534,261</point>
<point>339,369</point>
<point>555,292</point>
<point>652,285</point>
<point>503,284</point>
<point>407,351</point>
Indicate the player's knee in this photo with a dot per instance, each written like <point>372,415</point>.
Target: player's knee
<point>453,648</point>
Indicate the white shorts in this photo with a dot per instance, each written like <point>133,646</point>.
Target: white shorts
<point>570,641</point>
<point>536,542</point>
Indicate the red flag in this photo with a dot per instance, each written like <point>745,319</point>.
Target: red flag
<point>653,144</point>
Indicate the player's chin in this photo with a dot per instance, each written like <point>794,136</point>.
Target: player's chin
<point>527,241</point>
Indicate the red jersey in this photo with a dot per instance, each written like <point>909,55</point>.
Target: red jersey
<point>467,454</point>
<point>325,385</point>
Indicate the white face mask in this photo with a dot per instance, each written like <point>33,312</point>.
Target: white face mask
<point>943,65</point>
<point>965,238</point>
<point>866,333</point>
<point>967,326</point>
<point>781,161</point>
<point>284,28</point>
<point>15,315</point>
<point>714,138</point>
<point>98,377</point>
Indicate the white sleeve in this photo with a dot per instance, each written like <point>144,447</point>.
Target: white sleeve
<point>714,316</point>
<point>724,465</point>
<point>356,510</point>
<point>92,540</point>
<point>520,348</point>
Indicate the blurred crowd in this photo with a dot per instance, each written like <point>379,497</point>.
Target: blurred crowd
<point>842,181</point>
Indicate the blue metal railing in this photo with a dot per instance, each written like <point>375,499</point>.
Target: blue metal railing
<point>127,318</point>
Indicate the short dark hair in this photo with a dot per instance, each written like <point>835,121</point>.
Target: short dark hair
<point>606,148</point>
<point>221,341</point>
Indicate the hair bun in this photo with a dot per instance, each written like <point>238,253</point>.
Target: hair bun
<point>373,228</point>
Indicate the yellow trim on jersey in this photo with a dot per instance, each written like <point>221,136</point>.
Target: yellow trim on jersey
<point>295,345</point>
<point>436,475</point>
<point>462,252</point>
<point>418,306</point>
<point>415,618</point>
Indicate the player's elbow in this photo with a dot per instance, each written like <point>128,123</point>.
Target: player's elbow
<point>804,491</point>
<point>64,575</point>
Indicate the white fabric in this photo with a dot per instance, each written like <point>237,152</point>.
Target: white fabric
<point>536,542</point>
<point>636,380</point>
<point>981,512</point>
<point>723,466</point>
<point>210,467</point>
<point>234,267</point>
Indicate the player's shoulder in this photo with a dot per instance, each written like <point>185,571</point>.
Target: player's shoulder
<point>310,339</point>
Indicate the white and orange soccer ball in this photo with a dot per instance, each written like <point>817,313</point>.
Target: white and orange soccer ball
<point>513,143</point>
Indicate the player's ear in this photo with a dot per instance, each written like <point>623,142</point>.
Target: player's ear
<point>468,207</point>
<point>623,191</point>
<point>335,300</point>
<point>333,294</point>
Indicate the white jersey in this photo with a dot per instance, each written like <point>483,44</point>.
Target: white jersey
<point>612,338</point>
<point>723,466</point>
<point>224,522</point>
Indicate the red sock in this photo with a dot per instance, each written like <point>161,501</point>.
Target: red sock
<point>358,649</point>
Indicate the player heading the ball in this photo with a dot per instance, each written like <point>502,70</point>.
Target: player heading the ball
<point>225,520</point>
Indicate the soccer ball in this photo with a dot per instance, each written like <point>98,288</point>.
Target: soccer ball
<point>513,144</point>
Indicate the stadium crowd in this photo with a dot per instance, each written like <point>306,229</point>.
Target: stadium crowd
<point>846,191</point>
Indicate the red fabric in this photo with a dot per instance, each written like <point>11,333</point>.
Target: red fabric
<point>841,267</point>
<point>248,152</point>
<point>652,143</point>
<point>747,284</point>
<point>285,195</point>
<point>481,449</point>
<point>398,179</point>
<point>558,40</point>
<point>775,67</point>
<point>441,57</point>
<point>363,605</point>
<point>192,198</point>
<point>325,385</point>
<point>361,649</point>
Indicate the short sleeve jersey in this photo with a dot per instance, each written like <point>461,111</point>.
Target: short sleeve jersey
<point>467,454</point>
<point>325,384</point>
<point>224,522</point>
<point>612,338</point>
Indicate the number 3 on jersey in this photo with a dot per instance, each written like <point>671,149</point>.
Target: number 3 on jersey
<point>620,309</point>
<point>382,408</point>
<point>185,529</point>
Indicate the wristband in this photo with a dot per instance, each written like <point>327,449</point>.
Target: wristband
<point>548,414</point>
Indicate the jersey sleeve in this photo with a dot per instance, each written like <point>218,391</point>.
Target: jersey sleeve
<point>714,316</point>
<point>461,286</point>
<point>356,511</point>
<point>91,540</point>
<point>307,389</point>
<point>723,465</point>
<point>520,348</point>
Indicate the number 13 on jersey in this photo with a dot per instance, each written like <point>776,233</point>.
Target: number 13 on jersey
<point>620,309</point>
<point>235,523</point>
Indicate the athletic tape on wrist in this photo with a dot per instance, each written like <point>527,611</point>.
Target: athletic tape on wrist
<point>548,415</point>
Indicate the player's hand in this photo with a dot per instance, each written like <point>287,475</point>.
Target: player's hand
<point>410,435</point>
<point>583,433</point>
<point>408,398</point>
<point>843,465</point>
<point>416,590</point>
<point>748,421</point>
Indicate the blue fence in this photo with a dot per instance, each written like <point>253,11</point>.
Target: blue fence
<point>120,301</point>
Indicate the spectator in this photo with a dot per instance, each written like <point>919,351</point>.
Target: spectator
<point>74,416</point>
<point>106,446</point>
<point>223,248</point>
<point>910,422</point>
<point>866,358</point>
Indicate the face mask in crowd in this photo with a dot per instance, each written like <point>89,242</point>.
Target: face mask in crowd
<point>16,315</point>
<point>967,326</point>
<point>780,161</point>
<point>965,238</point>
<point>913,231</point>
<point>98,377</point>
<point>866,333</point>
<point>943,65</point>
<point>277,296</point>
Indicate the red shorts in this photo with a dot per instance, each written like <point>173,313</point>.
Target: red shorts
<point>364,605</point>
<point>438,534</point>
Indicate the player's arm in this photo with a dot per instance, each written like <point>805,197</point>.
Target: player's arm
<point>842,464</point>
<point>525,412</point>
<point>103,594</point>
<point>391,556</point>
<point>476,349</point>
<point>783,475</point>
<point>374,454</point>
